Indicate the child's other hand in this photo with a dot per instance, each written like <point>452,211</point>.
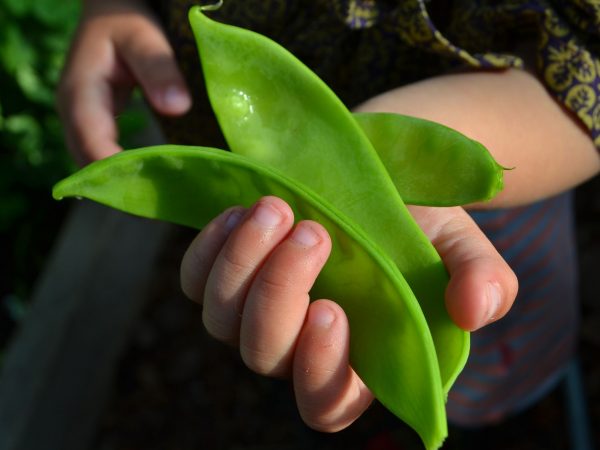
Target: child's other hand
<point>118,46</point>
<point>252,270</point>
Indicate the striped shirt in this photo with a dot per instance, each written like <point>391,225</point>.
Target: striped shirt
<point>516,360</point>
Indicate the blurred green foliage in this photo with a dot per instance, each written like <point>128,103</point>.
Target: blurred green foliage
<point>34,38</point>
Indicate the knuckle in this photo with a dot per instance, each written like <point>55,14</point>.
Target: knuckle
<point>273,283</point>
<point>255,360</point>
<point>236,261</point>
<point>262,361</point>
<point>318,420</point>
<point>220,329</point>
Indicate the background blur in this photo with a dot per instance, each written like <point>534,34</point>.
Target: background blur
<point>34,36</point>
<point>34,39</point>
<point>168,386</point>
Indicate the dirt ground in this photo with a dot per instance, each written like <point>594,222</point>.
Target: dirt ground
<point>178,389</point>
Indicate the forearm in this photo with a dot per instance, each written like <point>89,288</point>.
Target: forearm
<point>515,118</point>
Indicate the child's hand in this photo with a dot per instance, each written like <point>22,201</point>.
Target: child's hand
<point>252,270</point>
<point>118,46</point>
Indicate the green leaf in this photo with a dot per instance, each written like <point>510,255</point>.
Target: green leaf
<point>22,124</point>
<point>54,13</point>
<point>14,205</point>
<point>26,136</point>
<point>29,81</point>
<point>18,7</point>
<point>15,50</point>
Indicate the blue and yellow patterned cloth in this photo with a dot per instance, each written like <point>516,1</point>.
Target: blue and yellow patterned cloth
<point>361,48</point>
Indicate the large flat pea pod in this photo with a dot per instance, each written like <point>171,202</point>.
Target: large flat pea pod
<point>430,164</point>
<point>273,109</point>
<point>391,347</point>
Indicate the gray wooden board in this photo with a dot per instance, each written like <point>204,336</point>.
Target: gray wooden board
<point>58,370</point>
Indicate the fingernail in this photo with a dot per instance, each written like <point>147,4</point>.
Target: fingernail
<point>305,235</point>
<point>233,219</point>
<point>266,215</point>
<point>322,316</point>
<point>176,98</point>
<point>494,299</point>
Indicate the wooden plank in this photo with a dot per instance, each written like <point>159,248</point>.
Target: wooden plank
<point>58,370</point>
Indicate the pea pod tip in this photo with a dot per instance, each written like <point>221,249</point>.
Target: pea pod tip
<point>63,189</point>
<point>57,193</point>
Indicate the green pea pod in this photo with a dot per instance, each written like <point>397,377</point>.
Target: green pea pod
<point>273,109</point>
<point>302,144</point>
<point>391,347</point>
<point>431,164</point>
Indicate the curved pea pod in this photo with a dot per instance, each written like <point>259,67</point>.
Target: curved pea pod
<point>191,185</point>
<point>430,164</point>
<point>273,109</point>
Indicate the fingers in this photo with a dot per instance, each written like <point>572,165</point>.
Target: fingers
<point>117,47</point>
<point>277,301</point>
<point>329,394</point>
<point>201,254</point>
<point>253,273</point>
<point>85,100</point>
<point>238,262</point>
<point>152,62</point>
<point>482,286</point>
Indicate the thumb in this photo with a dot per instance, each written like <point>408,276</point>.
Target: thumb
<point>482,286</point>
<point>149,56</point>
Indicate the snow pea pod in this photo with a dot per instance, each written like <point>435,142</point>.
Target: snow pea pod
<point>391,347</point>
<point>430,164</point>
<point>273,109</point>
<point>296,140</point>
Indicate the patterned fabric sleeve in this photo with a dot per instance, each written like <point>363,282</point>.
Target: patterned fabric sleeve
<point>569,59</point>
<point>567,34</point>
